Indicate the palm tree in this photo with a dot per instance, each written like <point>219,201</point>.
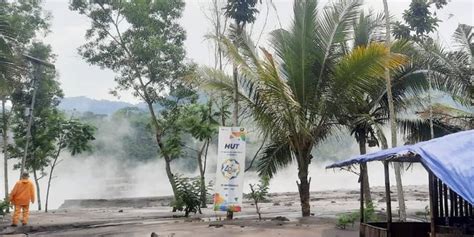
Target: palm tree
<point>362,114</point>
<point>295,95</point>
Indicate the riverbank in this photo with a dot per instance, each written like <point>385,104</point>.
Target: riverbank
<point>144,216</point>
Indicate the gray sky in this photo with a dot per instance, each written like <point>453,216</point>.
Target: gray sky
<point>80,79</point>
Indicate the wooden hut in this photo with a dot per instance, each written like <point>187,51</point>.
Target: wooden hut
<point>449,161</point>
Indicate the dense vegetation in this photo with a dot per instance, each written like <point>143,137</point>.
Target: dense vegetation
<point>334,70</point>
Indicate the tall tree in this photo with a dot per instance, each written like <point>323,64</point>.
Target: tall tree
<point>48,97</point>
<point>362,118</point>
<point>392,118</point>
<point>70,135</point>
<point>294,96</point>
<point>20,22</point>
<point>7,69</point>
<point>199,121</point>
<point>142,42</point>
<point>242,12</point>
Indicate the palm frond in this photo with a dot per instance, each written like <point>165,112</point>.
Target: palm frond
<point>363,66</point>
<point>365,28</point>
<point>275,156</point>
<point>297,50</point>
<point>418,129</point>
<point>333,28</point>
<point>464,37</point>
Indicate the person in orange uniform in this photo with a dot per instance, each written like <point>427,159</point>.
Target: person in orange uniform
<point>22,194</point>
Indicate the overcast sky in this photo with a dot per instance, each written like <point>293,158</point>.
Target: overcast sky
<point>80,79</point>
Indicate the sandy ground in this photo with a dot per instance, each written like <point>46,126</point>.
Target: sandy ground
<point>115,220</point>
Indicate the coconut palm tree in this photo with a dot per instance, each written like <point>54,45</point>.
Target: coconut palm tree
<point>295,94</point>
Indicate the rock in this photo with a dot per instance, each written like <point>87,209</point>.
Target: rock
<point>276,204</point>
<point>312,214</point>
<point>288,204</point>
<point>153,234</point>
<point>216,225</point>
<point>120,211</point>
<point>280,218</point>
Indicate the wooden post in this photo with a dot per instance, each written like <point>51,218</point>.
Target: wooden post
<point>451,201</point>
<point>455,201</point>
<point>445,201</point>
<point>361,179</point>
<point>440,198</point>
<point>388,199</point>
<point>435,197</point>
<point>432,204</point>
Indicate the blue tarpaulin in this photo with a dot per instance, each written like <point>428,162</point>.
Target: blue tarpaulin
<point>450,158</point>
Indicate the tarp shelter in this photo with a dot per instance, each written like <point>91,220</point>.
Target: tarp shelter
<point>450,162</point>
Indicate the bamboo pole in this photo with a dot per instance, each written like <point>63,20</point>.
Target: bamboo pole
<point>361,179</point>
<point>388,199</point>
<point>432,205</point>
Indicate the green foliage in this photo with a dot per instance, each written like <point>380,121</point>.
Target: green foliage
<point>27,18</point>
<point>369,213</point>
<point>295,95</point>
<point>419,20</point>
<point>259,193</point>
<point>44,128</point>
<point>74,136</point>
<point>242,11</point>
<point>4,206</point>
<point>345,219</point>
<point>7,63</point>
<point>140,40</point>
<point>188,194</point>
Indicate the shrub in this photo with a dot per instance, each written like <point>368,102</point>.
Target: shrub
<point>369,216</point>
<point>4,206</point>
<point>258,193</point>
<point>188,191</point>
<point>346,219</point>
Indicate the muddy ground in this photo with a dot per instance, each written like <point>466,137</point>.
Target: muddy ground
<point>144,216</point>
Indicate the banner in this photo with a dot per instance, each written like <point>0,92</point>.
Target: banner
<point>230,169</point>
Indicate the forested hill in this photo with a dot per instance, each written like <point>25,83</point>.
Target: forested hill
<point>85,104</point>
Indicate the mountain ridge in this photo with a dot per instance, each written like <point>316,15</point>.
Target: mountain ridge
<point>86,104</point>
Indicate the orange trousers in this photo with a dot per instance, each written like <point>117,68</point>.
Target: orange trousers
<point>16,214</point>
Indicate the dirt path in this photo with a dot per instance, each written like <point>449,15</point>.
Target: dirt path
<point>242,228</point>
<point>110,218</point>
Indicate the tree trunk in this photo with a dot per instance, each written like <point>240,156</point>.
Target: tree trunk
<point>400,192</point>
<point>392,116</point>
<point>154,119</point>
<point>38,194</point>
<point>303,158</point>
<point>303,189</point>
<point>365,174</point>
<point>258,210</point>
<point>5,150</point>
<point>235,114</point>
<point>202,172</point>
<point>49,180</point>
